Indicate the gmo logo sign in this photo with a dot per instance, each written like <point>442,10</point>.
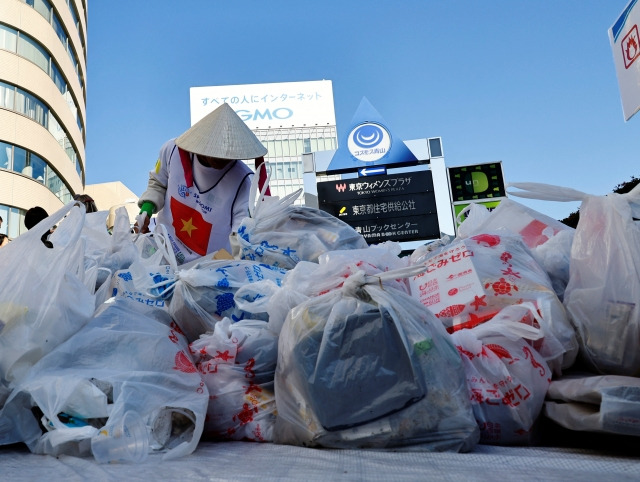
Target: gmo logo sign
<point>369,142</point>
<point>281,113</point>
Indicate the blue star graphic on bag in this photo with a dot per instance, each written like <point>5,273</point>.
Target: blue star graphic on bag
<point>224,302</point>
<point>223,283</point>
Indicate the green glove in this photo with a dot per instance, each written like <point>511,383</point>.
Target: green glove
<point>147,207</point>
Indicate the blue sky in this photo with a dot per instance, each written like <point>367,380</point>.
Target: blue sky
<point>529,83</point>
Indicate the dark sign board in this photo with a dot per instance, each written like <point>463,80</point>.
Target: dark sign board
<point>481,181</point>
<point>364,188</point>
<point>375,207</point>
<point>401,228</point>
<point>397,207</point>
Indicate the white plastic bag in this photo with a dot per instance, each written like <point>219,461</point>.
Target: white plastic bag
<point>534,227</point>
<point>107,253</point>
<point>363,366</point>
<point>128,357</point>
<point>280,234</point>
<point>549,239</point>
<point>206,293</point>
<point>602,294</point>
<point>595,403</point>
<point>44,299</point>
<point>470,280</point>
<point>309,279</point>
<point>506,376</point>
<point>237,362</point>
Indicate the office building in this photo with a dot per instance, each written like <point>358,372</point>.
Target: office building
<point>290,118</point>
<point>43,66</point>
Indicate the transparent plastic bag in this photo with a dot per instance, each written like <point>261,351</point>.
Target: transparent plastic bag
<point>534,227</point>
<point>128,357</point>
<point>309,279</point>
<point>603,293</point>
<point>361,366</point>
<point>470,280</point>
<point>595,403</point>
<point>601,296</point>
<point>281,234</point>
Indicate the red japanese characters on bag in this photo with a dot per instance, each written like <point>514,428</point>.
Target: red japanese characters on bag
<point>507,378</point>
<point>237,363</point>
<point>469,281</point>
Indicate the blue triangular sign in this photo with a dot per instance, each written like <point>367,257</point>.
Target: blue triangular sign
<point>369,142</point>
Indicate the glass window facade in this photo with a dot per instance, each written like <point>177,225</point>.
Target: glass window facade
<point>31,50</point>
<point>12,221</point>
<point>8,38</point>
<point>284,157</point>
<point>21,162</point>
<point>44,8</point>
<point>16,159</point>
<point>28,48</point>
<point>18,100</point>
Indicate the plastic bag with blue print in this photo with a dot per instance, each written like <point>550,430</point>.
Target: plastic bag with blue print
<point>282,234</point>
<point>205,293</point>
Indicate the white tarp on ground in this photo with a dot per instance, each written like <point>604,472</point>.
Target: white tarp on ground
<point>271,462</point>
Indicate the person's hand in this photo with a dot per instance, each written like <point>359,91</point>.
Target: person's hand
<point>142,220</point>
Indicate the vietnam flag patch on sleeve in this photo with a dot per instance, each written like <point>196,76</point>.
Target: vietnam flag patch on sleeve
<point>190,227</point>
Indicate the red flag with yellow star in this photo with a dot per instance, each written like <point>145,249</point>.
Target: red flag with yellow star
<point>190,227</point>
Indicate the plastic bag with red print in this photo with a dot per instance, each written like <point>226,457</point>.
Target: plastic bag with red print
<point>237,363</point>
<point>507,378</point>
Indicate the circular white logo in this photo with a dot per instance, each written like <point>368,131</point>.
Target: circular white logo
<point>369,142</point>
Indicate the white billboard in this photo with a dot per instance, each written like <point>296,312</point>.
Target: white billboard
<point>269,106</point>
<point>625,44</point>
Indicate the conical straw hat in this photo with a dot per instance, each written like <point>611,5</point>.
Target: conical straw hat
<point>222,134</point>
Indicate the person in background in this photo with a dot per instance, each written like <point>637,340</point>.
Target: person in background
<point>200,186</point>
<point>4,239</point>
<point>88,202</point>
<point>34,215</point>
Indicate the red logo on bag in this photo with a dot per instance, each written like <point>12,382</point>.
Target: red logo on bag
<point>257,433</point>
<point>450,311</point>
<point>488,240</point>
<point>501,287</point>
<point>500,351</point>
<point>184,363</point>
<point>465,352</point>
<point>246,414</point>
<point>224,355</point>
<point>528,353</point>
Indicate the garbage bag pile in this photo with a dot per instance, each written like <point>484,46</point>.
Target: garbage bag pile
<point>306,335</point>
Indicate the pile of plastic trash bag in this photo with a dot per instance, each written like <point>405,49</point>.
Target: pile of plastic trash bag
<point>306,335</point>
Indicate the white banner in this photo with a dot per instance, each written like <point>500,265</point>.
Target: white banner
<point>625,43</point>
<point>269,106</point>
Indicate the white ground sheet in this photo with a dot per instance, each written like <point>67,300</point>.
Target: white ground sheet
<point>270,462</point>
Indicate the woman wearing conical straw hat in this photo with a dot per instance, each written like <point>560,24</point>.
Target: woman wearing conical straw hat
<point>200,186</point>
